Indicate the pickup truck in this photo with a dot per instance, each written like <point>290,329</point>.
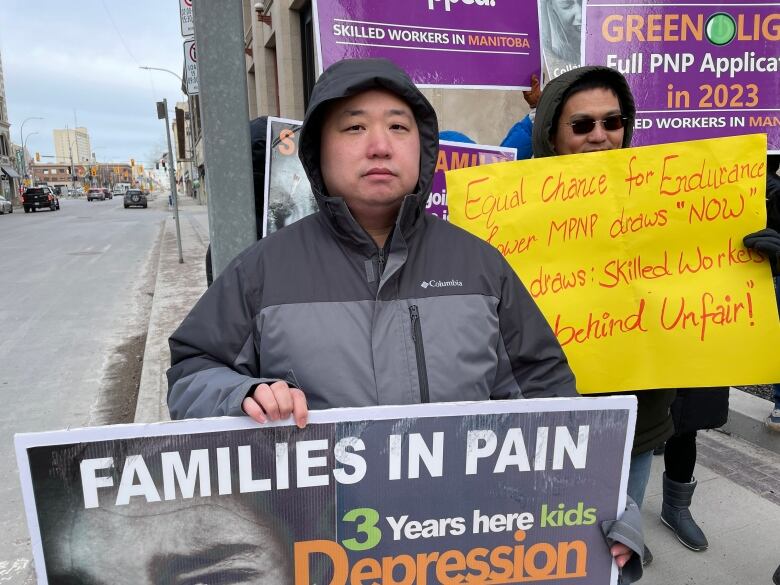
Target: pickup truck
<point>36,198</point>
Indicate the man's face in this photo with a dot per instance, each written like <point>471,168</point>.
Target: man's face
<point>589,104</point>
<point>370,152</point>
<point>196,544</point>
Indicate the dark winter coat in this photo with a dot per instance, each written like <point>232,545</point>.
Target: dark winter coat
<point>696,409</point>
<point>654,422</point>
<point>436,315</point>
<point>773,200</point>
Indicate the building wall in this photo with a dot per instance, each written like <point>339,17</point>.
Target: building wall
<point>106,174</point>
<point>72,142</point>
<point>8,186</point>
<point>275,79</point>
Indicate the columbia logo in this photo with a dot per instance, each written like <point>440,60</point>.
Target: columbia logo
<point>440,283</point>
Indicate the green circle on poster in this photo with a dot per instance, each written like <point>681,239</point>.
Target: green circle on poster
<point>720,29</point>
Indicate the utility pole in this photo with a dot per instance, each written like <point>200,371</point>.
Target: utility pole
<point>70,153</point>
<point>219,38</point>
<point>162,114</point>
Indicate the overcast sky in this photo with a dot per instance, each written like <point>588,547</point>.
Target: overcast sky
<point>84,56</point>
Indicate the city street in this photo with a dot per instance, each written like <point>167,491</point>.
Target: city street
<point>78,286</point>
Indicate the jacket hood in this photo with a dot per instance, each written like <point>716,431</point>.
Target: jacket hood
<point>348,78</point>
<point>551,103</point>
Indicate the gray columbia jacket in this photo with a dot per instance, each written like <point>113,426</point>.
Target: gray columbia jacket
<point>437,315</point>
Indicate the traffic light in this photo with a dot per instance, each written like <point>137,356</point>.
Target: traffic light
<point>93,171</point>
<point>37,157</point>
<point>132,162</point>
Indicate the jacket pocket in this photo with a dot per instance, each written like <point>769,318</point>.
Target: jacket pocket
<point>419,351</point>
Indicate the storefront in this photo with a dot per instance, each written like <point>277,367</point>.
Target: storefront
<point>10,183</point>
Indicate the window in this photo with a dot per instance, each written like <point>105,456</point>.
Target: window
<point>308,52</point>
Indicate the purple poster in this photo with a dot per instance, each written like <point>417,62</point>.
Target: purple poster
<point>458,155</point>
<point>697,71</point>
<point>439,43</point>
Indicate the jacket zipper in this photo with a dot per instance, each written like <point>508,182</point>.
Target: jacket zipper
<point>381,261</point>
<point>419,350</point>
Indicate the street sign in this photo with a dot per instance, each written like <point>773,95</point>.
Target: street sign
<point>187,22</point>
<point>191,67</point>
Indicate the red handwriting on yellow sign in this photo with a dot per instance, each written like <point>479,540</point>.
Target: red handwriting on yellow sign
<point>635,257</point>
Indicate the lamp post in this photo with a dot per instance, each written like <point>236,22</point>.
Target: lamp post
<point>189,107</point>
<point>24,150</point>
<point>22,139</point>
<point>162,114</point>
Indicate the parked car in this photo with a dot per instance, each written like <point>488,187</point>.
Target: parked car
<point>96,195</point>
<point>5,206</point>
<point>135,198</point>
<point>40,198</point>
<point>107,193</point>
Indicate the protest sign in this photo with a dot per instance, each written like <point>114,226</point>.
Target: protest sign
<point>698,70</point>
<point>635,257</point>
<point>440,43</point>
<point>497,491</point>
<point>288,195</point>
<point>459,155</point>
<point>561,35</point>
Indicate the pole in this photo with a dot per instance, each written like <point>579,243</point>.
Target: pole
<point>172,175</point>
<point>70,154</point>
<point>21,137</point>
<point>219,37</point>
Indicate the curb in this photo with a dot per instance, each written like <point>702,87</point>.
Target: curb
<point>747,414</point>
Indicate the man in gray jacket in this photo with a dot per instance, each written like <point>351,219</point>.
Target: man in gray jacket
<point>371,301</point>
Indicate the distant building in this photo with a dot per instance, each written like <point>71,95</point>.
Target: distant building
<point>97,175</point>
<point>72,144</point>
<point>9,178</point>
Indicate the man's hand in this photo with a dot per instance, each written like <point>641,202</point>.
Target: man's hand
<point>276,402</point>
<point>532,97</point>
<point>621,553</point>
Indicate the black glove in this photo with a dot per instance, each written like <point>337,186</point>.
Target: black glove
<point>767,241</point>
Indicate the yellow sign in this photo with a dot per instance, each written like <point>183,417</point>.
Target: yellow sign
<point>635,257</point>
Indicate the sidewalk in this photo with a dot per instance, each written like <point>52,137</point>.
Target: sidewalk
<point>178,288</point>
<point>737,501</point>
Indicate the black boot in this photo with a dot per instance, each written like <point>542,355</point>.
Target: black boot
<point>676,514</point>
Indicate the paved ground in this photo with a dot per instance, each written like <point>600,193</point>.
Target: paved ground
<point>76,291</point>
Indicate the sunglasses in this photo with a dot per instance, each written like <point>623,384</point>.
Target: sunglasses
<point>586,125</point>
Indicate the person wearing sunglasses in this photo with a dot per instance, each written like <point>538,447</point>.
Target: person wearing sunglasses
<point>590,109</point>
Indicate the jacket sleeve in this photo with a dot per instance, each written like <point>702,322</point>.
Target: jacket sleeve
<point>519,137</point>
<point>627,530</point>
<point>214,365</point>
<point>537,364</point>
